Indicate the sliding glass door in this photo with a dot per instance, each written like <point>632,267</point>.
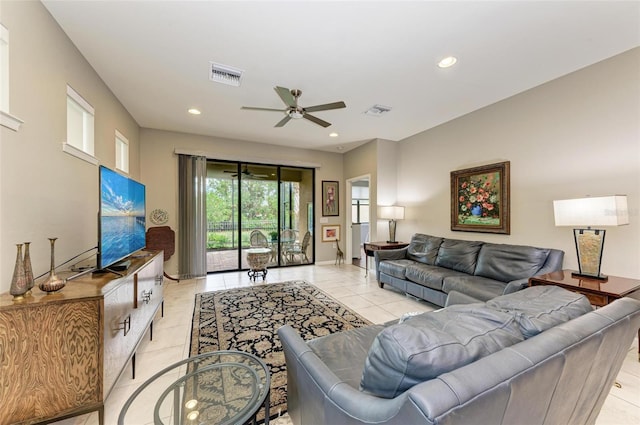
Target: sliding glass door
<point>258,210</point>
<point>258,205</point>
<point>296,216</point>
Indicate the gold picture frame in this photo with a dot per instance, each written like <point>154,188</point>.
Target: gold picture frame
<point>480,199</point>
<point>330,232</point>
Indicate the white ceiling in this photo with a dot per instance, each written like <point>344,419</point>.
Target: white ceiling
<point>154,55</point>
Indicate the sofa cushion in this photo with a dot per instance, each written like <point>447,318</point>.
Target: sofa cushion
<point>458,255</point>
<point>509,262</point>
<point>539,308</point>
<point>395,268</point>
<point>424,248</point>
<point>430,344</point>
<point>353,344</point>
<point>429,276</point>
<point>478,287</point>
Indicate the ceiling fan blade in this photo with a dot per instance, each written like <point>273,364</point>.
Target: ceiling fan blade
<point>262,109</point>
<point>286,96</point>
<point>326,107</point>
<point>316,120</point>
<point>283,121</point>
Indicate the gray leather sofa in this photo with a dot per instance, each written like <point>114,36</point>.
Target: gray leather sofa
<point>431,267</point>
<point>559,372</point>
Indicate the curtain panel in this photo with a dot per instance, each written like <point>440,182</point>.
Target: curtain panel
<point>192,216</point>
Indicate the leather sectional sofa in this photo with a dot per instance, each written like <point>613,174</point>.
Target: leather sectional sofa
<point>432,267</point>
<point>540,355</point>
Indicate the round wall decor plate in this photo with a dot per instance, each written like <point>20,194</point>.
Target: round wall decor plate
<point>159,216</point>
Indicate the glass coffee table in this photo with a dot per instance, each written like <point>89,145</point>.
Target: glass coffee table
<point>221,387</point>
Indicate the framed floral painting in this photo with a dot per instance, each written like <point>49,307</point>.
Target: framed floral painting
<point>480,199</point>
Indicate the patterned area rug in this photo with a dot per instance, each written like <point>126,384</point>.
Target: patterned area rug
<point>247,319</point>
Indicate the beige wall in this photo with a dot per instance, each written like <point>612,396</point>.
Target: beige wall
<point>575,136</point>
<point>159,169</point>
<point>362,161</point>
<point>45,192</point>
<point>387,185</point>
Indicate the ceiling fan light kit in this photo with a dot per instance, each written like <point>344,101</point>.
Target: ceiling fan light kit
<point>294,111</point>
<point>377,110</point>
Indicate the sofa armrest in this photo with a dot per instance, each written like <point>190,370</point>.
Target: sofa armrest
<point>553,263</point>
<point>515,285</point>
<point>318,396</point>
<point>388,254</point>
<point>455,297</point>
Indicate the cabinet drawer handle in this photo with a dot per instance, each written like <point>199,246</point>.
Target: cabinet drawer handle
<point>159,280</point>
<point>125,325</point>
<point>146,296</point>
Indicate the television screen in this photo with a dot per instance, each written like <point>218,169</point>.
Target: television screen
<point>121,226</point>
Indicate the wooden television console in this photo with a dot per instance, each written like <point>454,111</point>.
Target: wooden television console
<point>62,353</point>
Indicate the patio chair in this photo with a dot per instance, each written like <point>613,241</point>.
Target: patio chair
<point>257,239</point>
<point>287,239</point>
<point>299,249</point>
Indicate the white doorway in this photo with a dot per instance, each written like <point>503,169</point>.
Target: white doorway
<point>357,219</point>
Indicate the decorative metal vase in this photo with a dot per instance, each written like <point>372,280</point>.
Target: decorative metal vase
<point>28,270</point>
<point>19,282</point>
<point>53,283</point>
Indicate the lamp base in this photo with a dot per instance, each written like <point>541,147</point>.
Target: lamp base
<point>601,277</point>
<point>589,244</point>
<point>392,231</point>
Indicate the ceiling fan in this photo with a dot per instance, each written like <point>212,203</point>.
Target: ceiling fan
<point>293,110</point>
<point>246,173</point>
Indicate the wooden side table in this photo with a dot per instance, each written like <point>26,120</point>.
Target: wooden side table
<point>371,247</point>
<point>598,292</point>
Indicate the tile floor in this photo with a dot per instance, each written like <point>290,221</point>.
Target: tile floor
<point>348,284</point>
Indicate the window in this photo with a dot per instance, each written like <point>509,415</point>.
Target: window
<point>4,68</point>
<point>122,152</point>
<point>360,211</point>
<point>80,116</point>
<point>6,119</point>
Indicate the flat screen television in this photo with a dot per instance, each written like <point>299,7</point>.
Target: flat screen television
<point>121,218</point>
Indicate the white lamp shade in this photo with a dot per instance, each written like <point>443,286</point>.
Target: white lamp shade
<point>597,211</point>
<point>391,213</point>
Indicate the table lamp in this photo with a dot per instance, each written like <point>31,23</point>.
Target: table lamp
<point>587,212</point>
<point>392,213</point>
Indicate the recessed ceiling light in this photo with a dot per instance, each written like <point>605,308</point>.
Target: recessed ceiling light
<point>194,111</point>
<point>334,134</point>
<point>340,148</point>
<point>447,62</point>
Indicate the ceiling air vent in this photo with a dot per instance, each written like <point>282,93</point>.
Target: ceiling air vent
<point>377,110</point>
<point>225,74</point>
